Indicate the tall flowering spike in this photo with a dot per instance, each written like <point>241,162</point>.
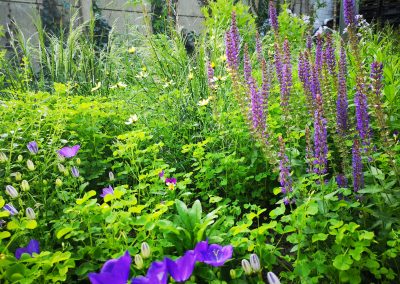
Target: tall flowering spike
<point>319,53</point>
<point>285,178</point>
<point>304,71</point>
<point>349,12</point>
<point>341,180</point>
<point>286,83</point>
<point>210,75</point>
<point>113,271</point>
<point>376,87</point>
<point>329,55</point>
<point>309,43</point>
<point>358,175</point>
<point>273,18</point>
<point>278,62</point>
<point>266,86</point>
<point>309,150</point>
<point>235,34</point>
<point>341,103</point>
<point>315,84</point>
<point>247,65</point>
<point>362,118</point>
<point>320,140</point>
<point>232,44</point>
<point>259,49</point>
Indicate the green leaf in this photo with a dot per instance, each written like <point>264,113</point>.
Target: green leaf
<point>215,199</point>
<point>63,232</point>
<point>319,237</point>
<point>86,197</point>
<point>377,173</point>
<point>342,262</point>
<point>371,189</point>
<point>4,213</point>
<point>31,224</point>
<point>183,213</point>
<point>312,209</point>
<point>277,211</point>
<point>13,225</point>
<point>4,235</point>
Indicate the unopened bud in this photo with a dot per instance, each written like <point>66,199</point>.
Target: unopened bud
<point>30,213</point>
<point>25,185</point>
<point>44,181</point>
<point>246,267</point>
<point>78,161</point>
<point>272,278</point>
<point>61,168</point>
<point>20,158</point>
<point>232,272</point>
<point>17,175</point>
<point>145,250</point>
<point>11,191</point>
<point>111,176</point>
<point>75,171</point>
<point>59,182</point>
<point>255,262</point>
<point>138,261</point>
<point>30,165</point>
<point>3,157</point>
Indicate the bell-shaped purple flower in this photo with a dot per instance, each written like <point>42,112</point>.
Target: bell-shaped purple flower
<point>33,147</point>
<point>32,247</point>
<point>107,190</point>
<point>10,208</point>
<point>214,255</point>
<point>182,268</point>
<point>69,152</point>
<point>75,171</point>
<point>113,271</point>
<point>157,274</point>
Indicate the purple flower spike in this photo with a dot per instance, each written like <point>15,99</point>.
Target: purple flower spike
<point>69,152</point>
<point>107,190</point>
<point>10,208</point>
<point>32,247</point>
<point>113,271</point>
<point>182,268</point>
<point>349,12</point>
<point>33,147</point>
<point>214,255</point>
<point>358,175</point>
<point>273,19</point>
<point>341,103</point>
<point>157,274</point>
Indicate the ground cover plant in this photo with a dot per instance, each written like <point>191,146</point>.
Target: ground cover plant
<point>268,158</point>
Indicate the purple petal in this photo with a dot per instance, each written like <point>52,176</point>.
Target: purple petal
<point>182,268</point>
<point>217,255</point>
<point>10,208</point>
<point>161,174</point>
<point>20,251</point>
<point>157,274</point>
<point>107,190</point>
<point>170,180</point>
<point>200,250</point>
<point>33,247</point>
<point>32,147</point>
<point>116,270</point>
<point>69,152</point>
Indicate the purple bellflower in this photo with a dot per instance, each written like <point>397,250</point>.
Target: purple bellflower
<point>182,268</point>
<point>32,247</point>
<point>107,190</point>
<point>157,274</point>
<point>113,271</point>
<point>75,172</point>
<point>214,255</point>
<point>10,208</point>
<point>69,152</point>
<point>33,147</point>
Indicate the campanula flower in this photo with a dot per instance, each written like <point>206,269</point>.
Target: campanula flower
<point>32,247</point>
<point>33,147</point>
<point>25,185</point>
<point>107,190</point>
<point>30,165</point>
<point>75,171</point>
<point>30,213</point>
<point>182,268</point>
<point>138,261</point>
<point>214,255</point>
<point>272,278</point>
<point>157,274</point>
<point>10,208</point>
<point>246,267</point>
<point>255,262</point>
<point>11,191</point>
<point>69,152</point>
<point>145,250</point>
<point>113,271</point>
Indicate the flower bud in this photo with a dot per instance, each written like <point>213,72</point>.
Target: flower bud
<point>272,278</point>
<point>30,165</point>
<point>17,175</point>
<point>246,267</point>
<point>255,262</point>
<point>111,176</point>
<point>30,213</point>
<point>44,181</point>
<point>10,208</point>
<point>25,185</point>
<point>61,168</point>
<point>58,182</point>
<point>232,272</point>
<point>75,172</point>
<point>138,261</point>
<point>32,147</point>
<point>11,191</point>
<point>20,158</point>
<point>3,157</point>
<point>78,161</point>
<point>145,250</point>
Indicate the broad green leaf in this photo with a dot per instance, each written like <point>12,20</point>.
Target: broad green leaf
<point>377,173</point>
<point>183,213</point>
<point>31,224</point>
<point>4,213</point>
<point>342,262</point>
<point>13,225</point>
<point>63,232</point>
<point>312,209</point>
<point>277,211</point>
<point>215,199</point>
<point>319,237</point>
<point>136,209</point>
<point>2,202</point>
<point>86,197</point>
<point>4,235</point>
<point>371,189</point>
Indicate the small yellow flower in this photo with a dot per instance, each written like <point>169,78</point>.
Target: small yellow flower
<point>203,102</point>
<point>190,76</point>
<point>94,89</point>
<point>222,58</point>
<point>212,64</point>
<point>132,50</point>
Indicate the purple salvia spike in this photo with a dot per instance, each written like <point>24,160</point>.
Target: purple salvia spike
<point>315,84</point>
<point>358,175</point>
<point>309,150</point>
<point>349,12</point>
<point>320,139</point>
<point>259,48</point>
<point>266,85</point>
<point>319,53</point>
<point>329,55</point>
<point>246,64</point>
<point>234,31</point>
<point>341,103</point>
<point>278,63</point>
<point>210,75</point>
<point>285,178</point>
<point>273,18</point>
<point>362,118</point>
<point>309,43</point>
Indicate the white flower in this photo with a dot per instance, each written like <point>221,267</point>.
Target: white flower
<point>132,119</point>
